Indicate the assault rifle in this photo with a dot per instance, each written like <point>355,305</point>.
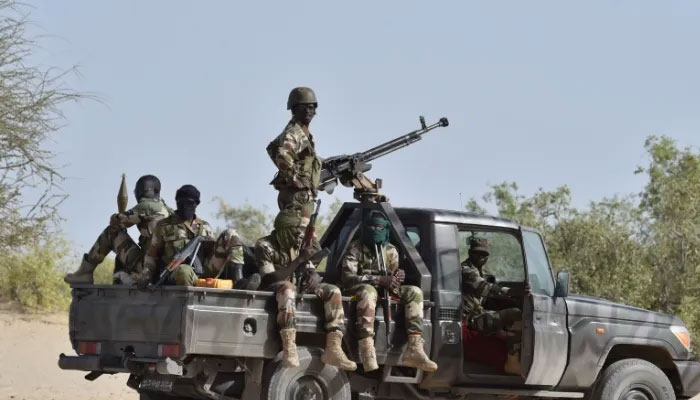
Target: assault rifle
<point>345,167</point>
<point>189,251</point>
<point>386,295</point>
<point>284,273</point>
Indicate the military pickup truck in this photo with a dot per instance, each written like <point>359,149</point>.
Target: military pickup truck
<point>201,343</point>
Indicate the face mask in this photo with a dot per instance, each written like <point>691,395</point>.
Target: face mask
<point>287,238</point>
<point>376,232</point>
<point>185,209</point>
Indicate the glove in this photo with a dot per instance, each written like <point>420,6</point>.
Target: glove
<point>310,281</point>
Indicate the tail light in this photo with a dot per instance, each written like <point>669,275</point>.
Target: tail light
<point>89,348</point>
<point>169,350</point>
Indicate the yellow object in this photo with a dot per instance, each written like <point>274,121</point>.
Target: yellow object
<point>215,283</point>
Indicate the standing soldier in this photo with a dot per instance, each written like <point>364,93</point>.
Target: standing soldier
<point>475,288</point>
<point>294,154</point>
<point>277,250</point>
<point>173,233</point>
<point>129,255</point>
<point>361,276</point>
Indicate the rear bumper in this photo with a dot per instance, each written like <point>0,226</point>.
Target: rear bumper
<point>131,365</point>
<point>689,372</point>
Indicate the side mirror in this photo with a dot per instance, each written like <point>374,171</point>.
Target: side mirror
<point>562,287</point>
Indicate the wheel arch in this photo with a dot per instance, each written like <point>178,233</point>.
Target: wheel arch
<point>652,352</point>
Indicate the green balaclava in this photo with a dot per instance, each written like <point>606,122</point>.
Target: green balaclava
<point>286,224</point>
<point>371,235</point>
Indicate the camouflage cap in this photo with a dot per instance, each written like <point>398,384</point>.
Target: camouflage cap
<point>478,244</point>
<point>301,95</point>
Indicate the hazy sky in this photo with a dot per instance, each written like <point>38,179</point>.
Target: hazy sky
<point>540,93</point>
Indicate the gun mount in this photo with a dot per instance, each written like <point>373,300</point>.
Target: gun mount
<point>350,169</point>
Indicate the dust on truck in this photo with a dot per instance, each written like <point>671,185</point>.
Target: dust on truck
<point>202,343</point>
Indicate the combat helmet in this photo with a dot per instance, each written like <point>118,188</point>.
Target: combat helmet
<point>301,95</point>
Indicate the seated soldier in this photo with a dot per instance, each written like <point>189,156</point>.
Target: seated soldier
<point>475,288</point>
<point>272,254</point>
<point>360,278</point>
<point>173,233</point>
<point>129,255</point>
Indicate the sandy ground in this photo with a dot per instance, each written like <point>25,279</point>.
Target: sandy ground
<point>29,349</point>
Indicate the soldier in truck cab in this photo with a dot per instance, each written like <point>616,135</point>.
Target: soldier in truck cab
<point>361,277</point>
<point>129,255</point>
<point>474,291</point>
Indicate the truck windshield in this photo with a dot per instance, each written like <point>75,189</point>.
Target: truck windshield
<point>505,255</point>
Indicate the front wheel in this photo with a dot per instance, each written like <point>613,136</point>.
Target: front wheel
<point>633,379</point>
<point>311,380</point>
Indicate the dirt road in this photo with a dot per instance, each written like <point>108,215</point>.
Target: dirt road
<point>29,349</point>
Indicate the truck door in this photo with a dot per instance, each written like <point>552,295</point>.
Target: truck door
<point>545,335</point>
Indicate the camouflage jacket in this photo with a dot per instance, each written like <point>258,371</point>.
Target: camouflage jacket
<point>475,288</point>
<point>359,264</point>
<point>144,215</point>
<point>294,154</point>
<point>270,257</point>
<point>171,235</point>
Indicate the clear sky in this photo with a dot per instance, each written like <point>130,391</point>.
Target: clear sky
<point>540,93</point>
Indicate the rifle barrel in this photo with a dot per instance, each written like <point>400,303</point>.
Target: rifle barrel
<point>400,142</point>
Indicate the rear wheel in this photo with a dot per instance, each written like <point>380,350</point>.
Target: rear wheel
<point>633,379</point>
<point>311,380</point>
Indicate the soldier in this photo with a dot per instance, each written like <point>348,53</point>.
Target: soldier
<point>173,233</point>
<point>475,288</point>
<point>129,255</point>
<point>360,277</point>
<point>294,154</point>
<point>274,252</point>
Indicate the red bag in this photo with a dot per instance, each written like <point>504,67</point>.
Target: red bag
<point>485,349</point>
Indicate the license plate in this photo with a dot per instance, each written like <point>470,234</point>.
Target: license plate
<point>160,384</point>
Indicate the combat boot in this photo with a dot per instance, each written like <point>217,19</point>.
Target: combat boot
<point>512,364</point>
<point>368,355</point>
<point>415,356</point>
<point>334,355</point>
<point>83,274</point>
<point>290,357</point>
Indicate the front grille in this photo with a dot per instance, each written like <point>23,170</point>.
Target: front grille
<point>449,314</point>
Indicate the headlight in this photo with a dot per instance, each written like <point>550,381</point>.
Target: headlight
<point>682,335</point>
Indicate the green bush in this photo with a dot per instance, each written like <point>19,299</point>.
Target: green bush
<point>103,273</point>
<point>33,276</point>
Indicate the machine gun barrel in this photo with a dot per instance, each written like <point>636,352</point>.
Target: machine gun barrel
<point>338,166</point>
<point>401,141</point>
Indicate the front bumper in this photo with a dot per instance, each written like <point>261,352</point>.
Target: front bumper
<point>689,372</point>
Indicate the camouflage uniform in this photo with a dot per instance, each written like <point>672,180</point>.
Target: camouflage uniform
<point>270,257</point>
<point>172,234</point>
<point>129,255</point>
<point>294,154</point>
<point>474,289</point>
<point>359,277</point>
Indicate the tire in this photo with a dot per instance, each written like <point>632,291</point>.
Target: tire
<point>633,379</point>
<point>312,379</point>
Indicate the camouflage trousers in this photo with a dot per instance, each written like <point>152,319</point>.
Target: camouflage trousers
<point>410,297</point>
<point>128,254</point>
<point>509,320</point>
<point>226,249</point>
<point>301,199</point>
<point>285,294</point>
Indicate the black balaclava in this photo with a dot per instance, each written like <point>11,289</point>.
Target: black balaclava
<point>187,200</point>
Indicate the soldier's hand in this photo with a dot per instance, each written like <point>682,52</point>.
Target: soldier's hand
<point>400,275</point>
<point>386,281</point>
<point>311,281</point>
<point>115,221</point>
